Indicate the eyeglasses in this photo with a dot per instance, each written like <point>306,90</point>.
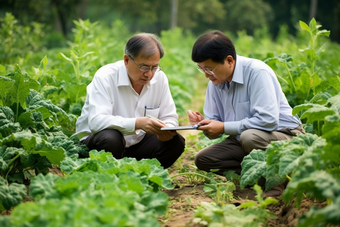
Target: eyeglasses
<point>145,68</point>
<point>207,71</point>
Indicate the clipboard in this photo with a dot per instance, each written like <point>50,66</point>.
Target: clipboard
<point>189,127</point>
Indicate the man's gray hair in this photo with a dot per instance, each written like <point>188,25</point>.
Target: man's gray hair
<point>143,44</point>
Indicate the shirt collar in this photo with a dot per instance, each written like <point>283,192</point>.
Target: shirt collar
<point>123,78</point>
<point>238,71</point>
<point>237,75</point>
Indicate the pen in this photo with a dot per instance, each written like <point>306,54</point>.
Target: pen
<point>196,126</point>
<point>149,116</point>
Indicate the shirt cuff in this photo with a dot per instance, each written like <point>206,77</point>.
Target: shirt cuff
<point>130,126</point>
<point>232,128</point>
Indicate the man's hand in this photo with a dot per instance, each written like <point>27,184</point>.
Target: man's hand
<point>166,135</point>
<point>211,127</point>
<point>152,126</point>
<point>195,117</point>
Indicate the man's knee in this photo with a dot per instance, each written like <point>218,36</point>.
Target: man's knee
<point>110,140</point>
<point>180,142</point>
<point>202,162</point>
<point>177,145</point>
<point>254,139</point>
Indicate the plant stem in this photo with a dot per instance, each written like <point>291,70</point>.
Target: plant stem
<point>189,173</point>
<point>290,78</point>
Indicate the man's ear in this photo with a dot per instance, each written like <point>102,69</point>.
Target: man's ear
<point>229,60</point>
<point>126,59</point>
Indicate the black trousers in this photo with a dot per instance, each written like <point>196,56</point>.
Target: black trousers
<point>149,147</point>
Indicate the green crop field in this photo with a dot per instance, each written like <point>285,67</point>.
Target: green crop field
<point>43,90</point>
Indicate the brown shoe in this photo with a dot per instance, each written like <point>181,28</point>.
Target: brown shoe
<point>275,191</point>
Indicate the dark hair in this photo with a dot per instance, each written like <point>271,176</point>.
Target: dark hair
<point>214,45</point>
<point>145,44</point>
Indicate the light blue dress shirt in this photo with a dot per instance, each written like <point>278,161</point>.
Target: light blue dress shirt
<point>253,100</point>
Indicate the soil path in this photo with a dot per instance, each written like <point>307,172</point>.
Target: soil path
<point>185,198</point>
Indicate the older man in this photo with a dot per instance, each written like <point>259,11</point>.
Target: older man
<point>120,100</point>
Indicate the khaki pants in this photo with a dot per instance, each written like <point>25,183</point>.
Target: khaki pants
<point>228,154</point>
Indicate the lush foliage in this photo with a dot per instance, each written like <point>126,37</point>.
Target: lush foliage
<point>31,135</point>
<point>310,161</point>
<point>102,191</point>
<point>41,96</point>
<point>18,40</point>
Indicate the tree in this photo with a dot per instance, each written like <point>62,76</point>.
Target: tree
<point>174,9</point>
<point>247,15</point>
<point>57,13</point>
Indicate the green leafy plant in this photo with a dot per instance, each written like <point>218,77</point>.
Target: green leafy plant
<point>317,109</point>
<point>193,175</point>
<point>248,214</point>
<point>18,40</point>
<point>318,176</point>
<point>312,52</point>
<point>279,160</point>
<point>221,192</point>
<point>122,192</point>
<point>217,188</point>
<point>305,79</point>
<point>11,194</point>
<point>31,137</point>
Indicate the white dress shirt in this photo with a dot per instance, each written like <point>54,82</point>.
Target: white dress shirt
<point>112,103</point>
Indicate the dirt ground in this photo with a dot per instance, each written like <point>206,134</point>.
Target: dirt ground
<point>185,198</point>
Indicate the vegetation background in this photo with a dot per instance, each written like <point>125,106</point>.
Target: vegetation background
<point>196,16</point>
<point>50,50</point>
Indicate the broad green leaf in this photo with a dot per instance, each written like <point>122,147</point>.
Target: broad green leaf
<point>319,184</point>
<point>317,113</point>
<point>274,152</point>
<point>6,86</point>
<point>33,118</point>
<point>312,26</point>
<point>54,155</point>
<point>8,153</point>
<point>43,186</point>
<point>101,155</point>
<point>132,182</point>
<point>2,69</point>
<point>159,175</point>
<point>11,194</point>
<point>158,201</point>
<point>331,132</point>
<point>334,102</point>
<point>304,26</point>
<point>289,163</point>
<point>253,168</point>
<point>324,33</point>
<point>44,61</point>
<point>22,86</point>
<point>68,165</point>
<point>321,98</point>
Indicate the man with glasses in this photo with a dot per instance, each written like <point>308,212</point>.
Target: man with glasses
<point>127,104</point>
<point>244,100</point>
